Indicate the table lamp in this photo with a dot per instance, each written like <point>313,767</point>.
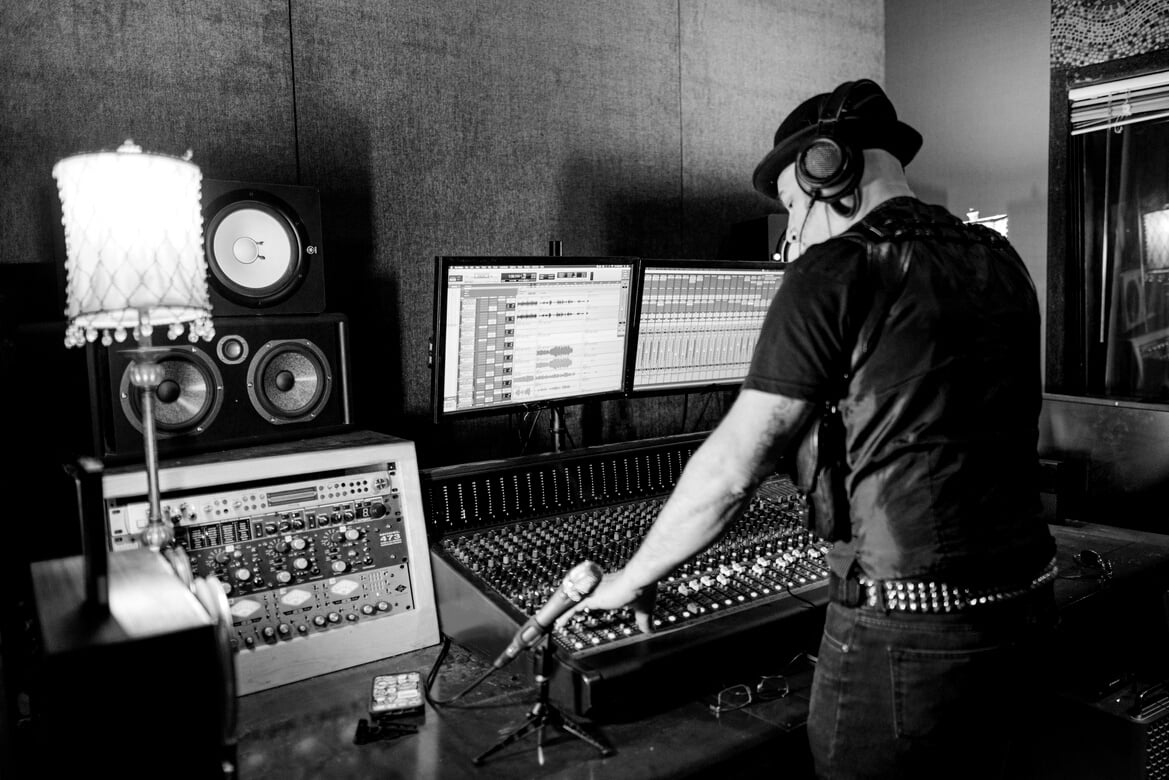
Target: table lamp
<point>134,261</point>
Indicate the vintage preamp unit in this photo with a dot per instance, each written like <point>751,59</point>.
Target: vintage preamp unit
<point>320,545</point>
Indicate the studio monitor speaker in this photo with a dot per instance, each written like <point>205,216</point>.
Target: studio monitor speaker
<point>755,239</point>
<point>260,379</point>
<point>1132,299</point>
<point>263,248</point>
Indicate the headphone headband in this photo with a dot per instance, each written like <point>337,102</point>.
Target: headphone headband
<point>836,103</point>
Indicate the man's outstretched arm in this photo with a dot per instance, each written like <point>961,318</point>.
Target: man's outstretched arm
<point>714,489</point>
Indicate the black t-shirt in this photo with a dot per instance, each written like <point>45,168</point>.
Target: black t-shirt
<point>941,416</point>
<point>812,324</point>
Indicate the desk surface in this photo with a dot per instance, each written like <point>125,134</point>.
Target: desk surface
<point>306,729</point>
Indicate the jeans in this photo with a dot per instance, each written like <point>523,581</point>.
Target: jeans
<point>906,695</point>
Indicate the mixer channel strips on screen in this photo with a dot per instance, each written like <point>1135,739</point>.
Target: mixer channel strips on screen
<point>296,559</point>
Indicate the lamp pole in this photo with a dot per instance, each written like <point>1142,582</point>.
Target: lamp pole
<point>146,375</point>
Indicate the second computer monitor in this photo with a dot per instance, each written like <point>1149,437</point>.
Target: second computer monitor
<point>697,322</point>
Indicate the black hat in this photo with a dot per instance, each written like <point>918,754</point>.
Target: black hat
<point>866,116</point>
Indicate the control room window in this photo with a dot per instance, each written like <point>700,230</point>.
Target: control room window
<point>1118,179</point>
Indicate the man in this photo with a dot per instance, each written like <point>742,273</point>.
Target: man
<point>924,333</point>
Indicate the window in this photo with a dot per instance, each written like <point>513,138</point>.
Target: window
<point>1118,230</point>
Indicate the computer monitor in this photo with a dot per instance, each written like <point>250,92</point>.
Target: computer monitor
<point>1155,242</point>
<point>696,322</point>
<point>514,332</point>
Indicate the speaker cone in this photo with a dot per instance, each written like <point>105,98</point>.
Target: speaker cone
<point>254,252</point>
<point>187,399</point>
<point>289,381</point>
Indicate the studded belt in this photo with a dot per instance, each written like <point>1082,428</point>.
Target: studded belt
<point>928,596</point>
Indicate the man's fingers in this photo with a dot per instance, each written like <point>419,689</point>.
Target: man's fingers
<point>644,621</point>
<point>560,621</point>
<point>643,607</point>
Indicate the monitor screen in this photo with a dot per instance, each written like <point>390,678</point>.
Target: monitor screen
<point>528,331</point>
<point>697,321</point>
<point>1155,241</point>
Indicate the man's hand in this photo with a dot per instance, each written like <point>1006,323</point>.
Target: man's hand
<point>614,593</point>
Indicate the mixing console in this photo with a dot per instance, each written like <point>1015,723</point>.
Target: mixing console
<point>764,556</point>
<point>597,505</point>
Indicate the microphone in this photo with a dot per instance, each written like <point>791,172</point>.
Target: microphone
<point>578,583</point>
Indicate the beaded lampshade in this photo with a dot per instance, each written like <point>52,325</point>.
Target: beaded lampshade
<point>133,261</point>
<point>133,245</point>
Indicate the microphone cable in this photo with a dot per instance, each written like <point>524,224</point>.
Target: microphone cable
<point>433,673</point>
<point>805,603</point>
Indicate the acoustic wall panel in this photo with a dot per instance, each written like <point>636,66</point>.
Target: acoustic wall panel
<point>214,77</point>
<point>732,97</point>
<point>487,130</point>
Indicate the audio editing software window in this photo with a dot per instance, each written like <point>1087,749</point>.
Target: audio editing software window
<point>530,333</point>
<point>698,326</point>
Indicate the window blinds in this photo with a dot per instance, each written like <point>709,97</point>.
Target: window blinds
<point>1118,103</point>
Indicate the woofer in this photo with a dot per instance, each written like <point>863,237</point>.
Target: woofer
<point>289,381</point>
<point>188,398</point>
<point>259,379</point>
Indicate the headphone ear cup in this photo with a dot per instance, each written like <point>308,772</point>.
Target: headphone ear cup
<point>827,169</point>
<point>829,166</point>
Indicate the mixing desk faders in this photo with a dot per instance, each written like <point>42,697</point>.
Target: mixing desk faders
<point>504,534</point>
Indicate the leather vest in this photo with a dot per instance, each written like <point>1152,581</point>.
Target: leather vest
<point>941,413</point>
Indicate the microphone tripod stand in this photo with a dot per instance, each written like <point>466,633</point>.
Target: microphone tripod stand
<point>544,714</point>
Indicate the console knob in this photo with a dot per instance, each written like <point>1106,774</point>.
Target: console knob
<point>269,632</point>
<point>367,609</point>
<point>300,563</point>
<point>284,629</point>
<point>283,577</point>
<point>334,617</point>
<point>351,617</point>
<point>377,509</point>
<point>299,544</point>
<point>283,547</point>
<point>383,606</point>
<point>353,534</point>
<point>338,566</point>
<point>319,620</point>
<point>243,574</point>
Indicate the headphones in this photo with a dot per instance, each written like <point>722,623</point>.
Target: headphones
<point>829,165</point>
